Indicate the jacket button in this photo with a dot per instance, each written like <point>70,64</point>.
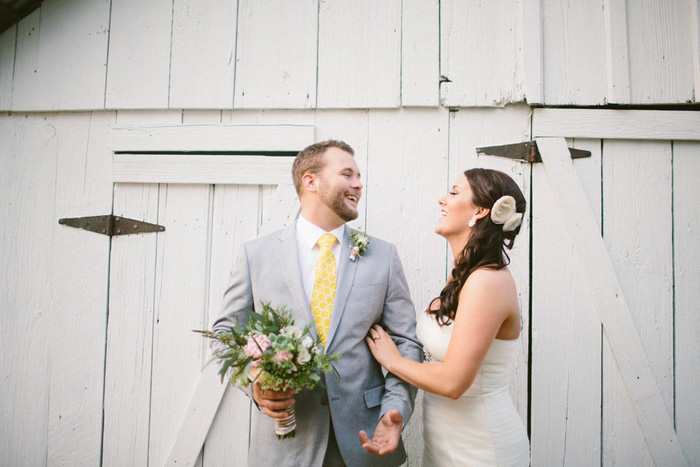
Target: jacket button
<point>324,400</point>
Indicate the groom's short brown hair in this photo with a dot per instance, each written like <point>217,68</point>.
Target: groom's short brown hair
<point>310,159</point>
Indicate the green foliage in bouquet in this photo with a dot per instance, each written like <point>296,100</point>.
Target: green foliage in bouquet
<point>269,349</point>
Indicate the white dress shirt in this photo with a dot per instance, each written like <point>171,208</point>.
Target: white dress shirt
<point>307,237</point>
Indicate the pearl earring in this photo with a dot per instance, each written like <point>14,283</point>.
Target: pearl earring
<point>471,223</point>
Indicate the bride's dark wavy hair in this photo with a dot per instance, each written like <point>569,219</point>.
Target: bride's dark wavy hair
<point>487,244</point>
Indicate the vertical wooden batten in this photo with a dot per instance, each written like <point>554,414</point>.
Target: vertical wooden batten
<point>203,58</point>
<point>686,226</point>
<point>359,59</point>
<point>616,52</point>
<point>138,64</point>
<point>420,57</point>
<point>276,57</point>
<point>7,66</point>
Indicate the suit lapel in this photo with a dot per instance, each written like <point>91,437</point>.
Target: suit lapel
<point>289,261</point>
<point>346,276</point>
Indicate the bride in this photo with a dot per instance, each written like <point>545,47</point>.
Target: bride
<point>469,333</point>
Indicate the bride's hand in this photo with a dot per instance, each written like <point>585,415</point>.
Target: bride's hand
<point>382,347</point>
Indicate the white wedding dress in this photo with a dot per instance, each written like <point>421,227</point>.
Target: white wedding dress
<point>482,427</point>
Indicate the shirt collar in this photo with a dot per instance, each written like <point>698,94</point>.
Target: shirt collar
<point>309,233</point>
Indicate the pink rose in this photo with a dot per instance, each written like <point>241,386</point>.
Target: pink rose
<point>255,350</point>
<point>282,356</point>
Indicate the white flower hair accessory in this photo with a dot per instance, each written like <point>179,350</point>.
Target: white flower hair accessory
<point>503,212</point>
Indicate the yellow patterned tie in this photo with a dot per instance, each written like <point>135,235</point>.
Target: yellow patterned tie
<point>324,286</point>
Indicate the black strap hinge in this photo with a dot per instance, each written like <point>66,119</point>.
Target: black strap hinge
<point>111,225</point>
<point>526,151</point>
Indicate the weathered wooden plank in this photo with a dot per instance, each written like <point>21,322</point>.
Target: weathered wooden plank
<point>695,38</point>
<point>234,221</point>
<point>8,40</point>
<point>617,52</point>
<point>182,275</point>
<point>617,124</point>
<point>661,52</point>
<point>26,60</point>
<point>472,128</point>
<point>276,58</point>
<point>72,57</point>
<point>420,53</point>
<point>638,234</point>
<point>359,58</point>
<point>686,225</point>
<point>202,406</point>
<point>566,396</point>
<point>573,74</point>
<point>130,331</point>
<point>203,54</point>
<point>532,51</point>
<point>28,154</point>
<point>78,317</point>
<point>138,64</point>
<point>178,168</point>
<point>637,192</point>
<point>181,138</point>
<point>620,331</point>
<point>479,47</point>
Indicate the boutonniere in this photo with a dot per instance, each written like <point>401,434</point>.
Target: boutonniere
<point>360,242</point>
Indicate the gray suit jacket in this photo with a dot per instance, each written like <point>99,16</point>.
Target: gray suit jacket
<point>370,290</point>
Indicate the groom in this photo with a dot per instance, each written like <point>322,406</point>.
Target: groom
<point>282,268</point>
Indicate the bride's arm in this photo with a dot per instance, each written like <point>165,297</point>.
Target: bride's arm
<point>485,302</point>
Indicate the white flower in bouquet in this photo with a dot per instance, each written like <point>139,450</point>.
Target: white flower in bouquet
<point>304,356</point>
<point>307,342</point>
<point>291,331</point>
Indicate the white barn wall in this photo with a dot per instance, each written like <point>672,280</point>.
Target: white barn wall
<point>61,56</point>
<point>276,56</point>
<point>203,60</point>
<point>359,57</point>
<point>138,64</point>
<point>29,167</point>
<point>479,44</point>
<point>420,53</point>
<point>7,58</point>
<point>71,411</point>
<point>352,77</point>
<point>338,54</point>
<point>53,307</point>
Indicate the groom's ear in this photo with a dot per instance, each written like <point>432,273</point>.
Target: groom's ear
<point>310,182</point>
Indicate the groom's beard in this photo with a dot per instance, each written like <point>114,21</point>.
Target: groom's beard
<point>336,201</point>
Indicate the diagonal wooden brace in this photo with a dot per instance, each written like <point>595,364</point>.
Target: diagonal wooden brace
<point>613,311</point>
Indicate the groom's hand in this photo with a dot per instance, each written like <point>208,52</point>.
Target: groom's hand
<point>273,403</point>
<point>386,435</point>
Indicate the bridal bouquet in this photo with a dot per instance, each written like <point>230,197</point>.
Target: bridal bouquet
<point>270,350</point>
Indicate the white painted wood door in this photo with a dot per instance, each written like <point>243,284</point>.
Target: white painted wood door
<point>163,286</point>
<point>614,363</point>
